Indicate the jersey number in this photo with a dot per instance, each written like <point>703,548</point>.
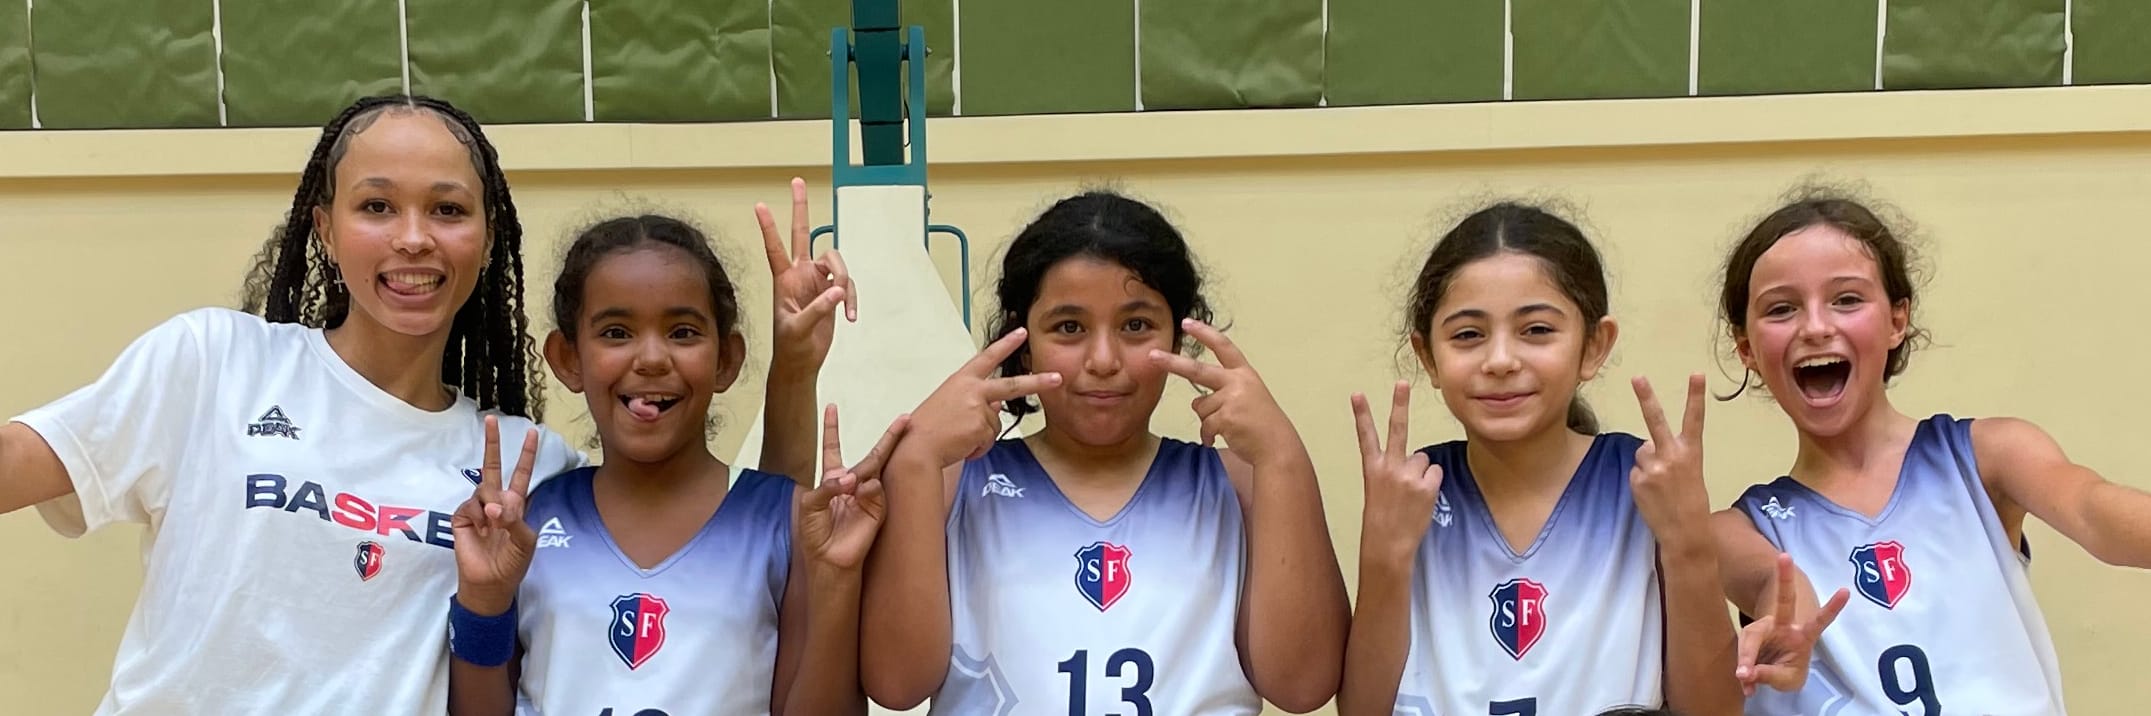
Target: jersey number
<point>1921,688</point>
<point>1078,670</point>
<point>1514,707</point>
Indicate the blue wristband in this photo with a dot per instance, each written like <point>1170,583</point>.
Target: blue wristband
<point>481,640</point>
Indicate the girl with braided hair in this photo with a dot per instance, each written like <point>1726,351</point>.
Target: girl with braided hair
<point>297,465</point>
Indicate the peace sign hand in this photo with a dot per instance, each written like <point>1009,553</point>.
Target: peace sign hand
<point>1667,479</point>
<point>1775,650</point>
<point>1239,406</point>
<point>1401,488</point>
<point>962,418</point>
<point>804,290</point>
<point>839,517</point>
<point>493,544</point>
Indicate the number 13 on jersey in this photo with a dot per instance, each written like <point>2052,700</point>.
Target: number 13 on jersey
<point>1130,665</point>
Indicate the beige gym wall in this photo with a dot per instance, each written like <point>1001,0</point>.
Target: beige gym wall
<point>1311,223</point>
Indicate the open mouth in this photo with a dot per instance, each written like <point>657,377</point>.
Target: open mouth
<point>1822,377</point>
<point>412,283</point>
<point>649,406</point>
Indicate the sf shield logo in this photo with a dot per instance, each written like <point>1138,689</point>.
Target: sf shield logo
<point>1519,617</point>
<point>1102,574</point>
<point>638,628</point>
<point>368,560</point>
<point>1880,573</point>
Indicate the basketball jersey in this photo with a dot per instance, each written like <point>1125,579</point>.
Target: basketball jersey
<point>1058,613</point>
<point>696,634</point>
<point>298,551</point>
<point>1572,625</point>
<point>1942,618</point>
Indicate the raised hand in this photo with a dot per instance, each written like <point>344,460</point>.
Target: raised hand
<point>1775,650</point>
<point>962,418</point>
<point>1238,406</point>
<point>804,290</point>
<point>839,517</point>
<point>1667,479</point>
<point>493,544</point>
<point>1401,487</point>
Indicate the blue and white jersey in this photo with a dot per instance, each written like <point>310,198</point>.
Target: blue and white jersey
<point>1942,617</point>
<point>1058,613</point>
<point>1572,625</point>
<point>696,634</point>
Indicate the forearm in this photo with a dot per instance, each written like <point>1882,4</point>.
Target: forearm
<point>475,690</point>
<point>1380,640</point>
<point>832,651</point>
<point>1701,642</point>
<point>789,421</point>
<point>2120,520</point>
<point>1296,599</point>
<point>905,627</point>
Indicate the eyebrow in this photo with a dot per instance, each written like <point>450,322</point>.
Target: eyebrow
<point>384,182</point>
<point>673,312</point>
<point>1526,310</point>
<point>1070,309</point>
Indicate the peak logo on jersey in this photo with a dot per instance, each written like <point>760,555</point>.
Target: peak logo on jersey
<point>1777,511</point>
<point>1102,574</point>
<point>1519,615</point>
<point>473,476</point>
<point>553,535</point>
<point>272,492</point>
<point>1442,514</point>
<point>638,628</point>
<point>999,484</point>
<point>273,424</point>
<point>368,561</point>
<point>1880,572</point>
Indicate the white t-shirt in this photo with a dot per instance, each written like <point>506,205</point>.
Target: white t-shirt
<point>299,558</point>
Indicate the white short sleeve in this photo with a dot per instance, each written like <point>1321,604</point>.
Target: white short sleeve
<point>121,437</point>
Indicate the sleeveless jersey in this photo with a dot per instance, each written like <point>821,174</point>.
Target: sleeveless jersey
<point>1942,618</point>
<point>1058,613</point>
<point>696,634</point>
<point>1574,624</point>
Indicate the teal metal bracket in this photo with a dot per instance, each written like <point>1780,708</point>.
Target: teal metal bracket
<point>891,62</point>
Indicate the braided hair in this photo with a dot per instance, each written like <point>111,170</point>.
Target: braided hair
<point>490,355</point>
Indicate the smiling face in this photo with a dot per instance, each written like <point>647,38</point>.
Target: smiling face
<point>1095,323</point>
<point>649,353</point>
<point>1508,349</point>
<point>1820,328</point>
<point>406,225</point>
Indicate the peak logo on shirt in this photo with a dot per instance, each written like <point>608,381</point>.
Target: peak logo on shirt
<point>1880,573</point>
<point>553,535</point>
<point>368,561</point>
<point>1519,616</point>
<point>1777,511</point>
<point>638,628</point>
<point>273,424</point>
<point>1442,514</point>
<point>999,484</point>
<point>1102,574</point>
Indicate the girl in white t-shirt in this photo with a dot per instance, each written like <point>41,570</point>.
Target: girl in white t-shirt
<point>666,581</point>
<point>296,468</point>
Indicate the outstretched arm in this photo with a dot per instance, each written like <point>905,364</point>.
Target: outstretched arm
<point>30,472</point>
<point>2025,465</point>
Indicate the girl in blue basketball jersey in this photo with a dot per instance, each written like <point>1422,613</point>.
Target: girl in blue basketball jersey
<point>1923,519</point>
<point>1095,567</point>
<point>664,581</point>
<point>1539,566</point>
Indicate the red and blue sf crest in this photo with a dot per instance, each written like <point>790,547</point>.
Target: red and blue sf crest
<point>1102,574</point>
<point>1879,571</point>
<point>1519,617</point>
<point>368,560</point>
<point>638,628</point>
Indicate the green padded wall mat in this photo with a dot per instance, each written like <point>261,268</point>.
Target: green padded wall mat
<point>679,60</point>
<point>1198,55</point>
<point>14,65</point>
<point>2113,41</point>
<point>1573,49</point>
<point>1941,44</point>
<point>1413,51</point>
<point>276,72</point>
<point>502,61</point>
<point>1043,56</point>
<point>1774,46</point>
<point>106,64</point>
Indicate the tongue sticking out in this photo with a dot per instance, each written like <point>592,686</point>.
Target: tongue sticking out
<point>643,408</point>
